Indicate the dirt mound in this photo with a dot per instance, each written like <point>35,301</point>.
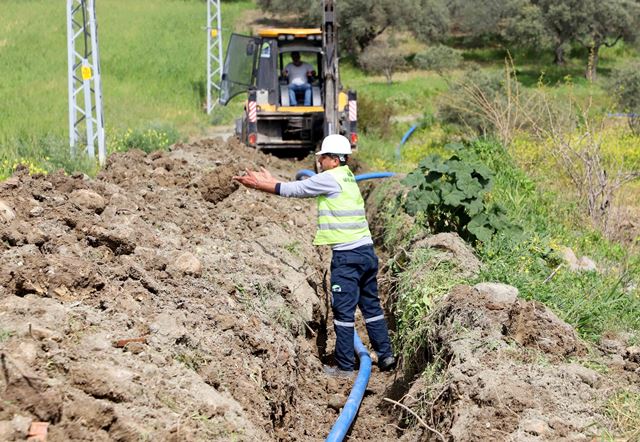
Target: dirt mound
<point>218,287</point>
<point>217,184</point>
<point>506,373</point>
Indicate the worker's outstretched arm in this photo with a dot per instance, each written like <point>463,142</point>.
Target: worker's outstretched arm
<point>262,180</point>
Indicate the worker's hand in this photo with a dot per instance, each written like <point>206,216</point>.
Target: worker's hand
<point>262,180</point>
<point>248,180</point>
<point>265,175</point>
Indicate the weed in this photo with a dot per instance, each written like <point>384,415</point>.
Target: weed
<point>193,360</point>
<point>154,137</point>
<point>293,248</point>
<point>5,334</point>
<point>289,320</point>
<point>427,278</point>
<point>41,155</point>
<point>451,193</point>
<point>438,58</point>
<point>169,402</point>
<point>375,116</point>
<point>266,300</point>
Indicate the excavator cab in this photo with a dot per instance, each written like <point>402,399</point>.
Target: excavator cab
<point>256,65</point>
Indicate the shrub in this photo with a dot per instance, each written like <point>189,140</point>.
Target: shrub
<point>450,195</point>
<point>382,58</point>
<point>374,116</point>
<point>154,137</point>
<point>438,58</point>
<point>491,104</point>
<point>42,155</point>
<point>625,87</point>
<point>454,110</point>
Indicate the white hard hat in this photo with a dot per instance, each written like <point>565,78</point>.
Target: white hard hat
<point>335,144</point>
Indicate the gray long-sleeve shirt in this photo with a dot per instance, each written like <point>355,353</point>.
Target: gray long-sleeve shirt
<point>320,184</point>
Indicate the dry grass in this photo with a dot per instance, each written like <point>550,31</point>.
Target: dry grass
<point>624,410</point>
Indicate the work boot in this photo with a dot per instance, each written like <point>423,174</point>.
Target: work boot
<point>387,364</point>
<point>336,372</point>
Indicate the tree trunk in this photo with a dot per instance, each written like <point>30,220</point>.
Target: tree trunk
<point>388,73</point>
<point>559,55</point>
<point>592,65</point>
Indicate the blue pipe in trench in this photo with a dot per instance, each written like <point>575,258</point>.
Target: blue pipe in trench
<point>350,409</point>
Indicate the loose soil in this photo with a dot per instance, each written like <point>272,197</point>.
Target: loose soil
<point>160,301</point>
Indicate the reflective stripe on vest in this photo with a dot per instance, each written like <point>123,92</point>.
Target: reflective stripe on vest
<point>342,219</point>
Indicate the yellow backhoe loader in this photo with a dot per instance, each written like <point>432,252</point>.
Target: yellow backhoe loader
<point>256,65</point>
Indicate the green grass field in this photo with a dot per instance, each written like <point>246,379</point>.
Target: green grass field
<point>153,64</point>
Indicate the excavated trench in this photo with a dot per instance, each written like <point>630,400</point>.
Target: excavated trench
<point>159,301</point>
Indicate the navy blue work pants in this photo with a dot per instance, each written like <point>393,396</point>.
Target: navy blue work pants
<point>353,282</point>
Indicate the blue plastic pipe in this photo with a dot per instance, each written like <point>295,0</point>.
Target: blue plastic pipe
<point>304,172</point>
<point>373,175</point>
<point>350,409</point>
<point>404,139</point>
<point>365,176</point>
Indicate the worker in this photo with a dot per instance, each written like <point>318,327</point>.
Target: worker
<point>354,265</point>
<point>299,74</point>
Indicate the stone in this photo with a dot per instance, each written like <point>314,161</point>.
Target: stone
<point>615,361</point>
<point>587,264</point>
<point>36,211</point>
<point>584,264</point>
<point>537,427</point>
<point>41,333</point>
<point>88,199</point>
<point>453,245</point>
<point>7,432</point>
<point>28,352</point>
<point>6,213</point>
<point>10,183</point>
<point>500,295</point>
<point>612,346</point>
<point>21,425</point>
<point>135,347</point>
<point>186,263</point>
<point>337,401</point>
<point>633,353</point>
<point>586,375</point>
<point>96,342</point>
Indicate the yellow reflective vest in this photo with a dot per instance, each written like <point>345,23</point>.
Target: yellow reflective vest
<point>341,219</point>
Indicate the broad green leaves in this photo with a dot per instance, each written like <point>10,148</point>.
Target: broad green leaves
<point>451,194</point>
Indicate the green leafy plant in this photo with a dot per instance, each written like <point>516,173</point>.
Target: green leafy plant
<point>452,195</point>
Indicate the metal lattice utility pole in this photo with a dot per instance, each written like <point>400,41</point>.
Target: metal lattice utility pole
<point>214,51</point>
<point>85,90</point>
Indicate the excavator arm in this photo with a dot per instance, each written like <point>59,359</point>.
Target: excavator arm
<point>330,68</point>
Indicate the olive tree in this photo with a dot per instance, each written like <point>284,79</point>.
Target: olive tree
<point>382,57</point>
<point>625,87</point>
<point>607,22</point>
<point>362,21</point>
